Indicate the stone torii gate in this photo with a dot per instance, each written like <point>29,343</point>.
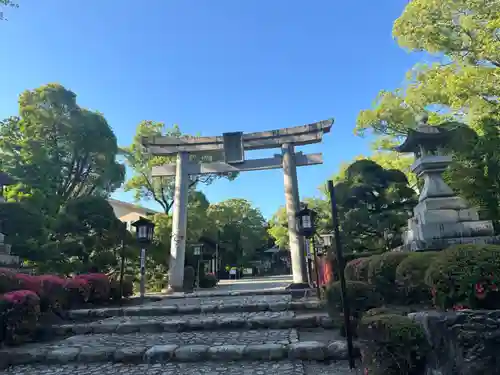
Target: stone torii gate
<point>233,147</point>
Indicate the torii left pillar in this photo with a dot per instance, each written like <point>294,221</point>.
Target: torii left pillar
<point>179,224</point>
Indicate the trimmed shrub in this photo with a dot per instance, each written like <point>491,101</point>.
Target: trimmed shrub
<point>128,288</point>
<point>348,257</point>
<point>189,278</point>
<point>208,281</point>
<point>8,281</point>
<point>357,269</point>
<point>382,274</point>
<point>19,312</point>
<point>100,286</point>
<point>362,297</point>
<point>466,276</point>
<point>53,295</point>
<point>78,291</point>
<point>392,344</point>
<point>410,276</point>
<point>28,282</point>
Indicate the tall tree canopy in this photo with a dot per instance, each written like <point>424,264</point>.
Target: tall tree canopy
<point>242,228</point>
<point>58,151</point>
<point>464,35</point>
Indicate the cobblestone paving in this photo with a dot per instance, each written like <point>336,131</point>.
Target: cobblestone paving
<point>283,336</point>
<point>221,301</point>
<point>187,317</point>
<point>206,368</point>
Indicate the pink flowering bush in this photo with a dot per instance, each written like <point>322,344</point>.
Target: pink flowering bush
<point>100,286</point>
<point>28,282</point>
<point>19,312</point>
<point>53,295</point>
<point>78,291</point>
<point>8,280</point>
<point>466,276</point>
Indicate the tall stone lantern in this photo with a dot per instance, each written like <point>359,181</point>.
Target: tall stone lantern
<point>440,218</point>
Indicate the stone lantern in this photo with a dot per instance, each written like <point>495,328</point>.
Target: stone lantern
<point>441,218</point>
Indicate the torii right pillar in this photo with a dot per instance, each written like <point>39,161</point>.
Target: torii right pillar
<point>296,242</point>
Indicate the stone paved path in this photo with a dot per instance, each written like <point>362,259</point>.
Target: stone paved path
<point>211,349</point>
<point>207,368</point>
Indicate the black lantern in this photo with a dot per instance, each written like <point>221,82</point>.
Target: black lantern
<point>144,230</point>
<point>305,222</point>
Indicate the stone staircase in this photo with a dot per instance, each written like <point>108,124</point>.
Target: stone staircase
<point>219,333</point>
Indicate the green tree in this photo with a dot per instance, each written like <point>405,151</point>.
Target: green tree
<point>242,228</point>
<point>464,84</point>
<point>58,151</point>
<point>6,3</point>
<point>373,203</point>
<point>159,189</point>
<point>475,171</point>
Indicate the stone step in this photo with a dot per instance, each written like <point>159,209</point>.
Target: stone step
<point>267,344</point>
<point>229,293</point>
<point>198,306</point>
<point>284,367</point>
<point>187,323</point>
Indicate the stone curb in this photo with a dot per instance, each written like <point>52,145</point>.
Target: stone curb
<point>149,310</point>
<point>180,325</point>
<point>306,350</point>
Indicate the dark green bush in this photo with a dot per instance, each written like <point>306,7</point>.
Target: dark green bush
<point>466,276</point>
<point>361,296</point>
<point>410,277</point>
<point>392,344</point>
<point>357,269</point>
<point>382,274</point>
<point>189,278</point>
<point>348,257</point>
<point>208,281</point>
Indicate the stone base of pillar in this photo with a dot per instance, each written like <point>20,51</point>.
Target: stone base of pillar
<point>298,286</point>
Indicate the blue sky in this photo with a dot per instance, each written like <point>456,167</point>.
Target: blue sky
<point>213,66</point>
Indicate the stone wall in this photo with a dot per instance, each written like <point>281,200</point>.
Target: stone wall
<point>464,343</point>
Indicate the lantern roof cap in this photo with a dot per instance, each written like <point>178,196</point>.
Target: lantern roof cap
<point>142,221</point>
<point>428,135</point>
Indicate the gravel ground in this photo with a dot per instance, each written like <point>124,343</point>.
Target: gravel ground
<point>207,368</point>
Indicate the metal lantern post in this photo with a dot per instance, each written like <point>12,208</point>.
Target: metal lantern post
<point>306,227</point>
<point>144,230</point>
<point>341,266</point>
<point>197,252</point>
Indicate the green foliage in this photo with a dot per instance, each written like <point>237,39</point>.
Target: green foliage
<point>357,269</point>
<point>373,206</point>
<point>362,297</point>
<point>382,273</point>
<point>466,276</point>
<point>394,345</point>
<point>475,171</point>
<point>58,151</point>
<point>242,229</point>
<point>410,276</point>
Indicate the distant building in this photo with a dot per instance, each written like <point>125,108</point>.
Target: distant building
<point>129,212</point>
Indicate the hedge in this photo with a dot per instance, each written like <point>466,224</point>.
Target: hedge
<point>410,277</point>
<point>361,296</point>
<point>382,274</point>
<point>357,270</point>
<point>466,276</point>
<point>392,344</point>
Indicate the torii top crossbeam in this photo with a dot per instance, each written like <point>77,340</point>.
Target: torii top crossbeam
<point>297,135</point>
